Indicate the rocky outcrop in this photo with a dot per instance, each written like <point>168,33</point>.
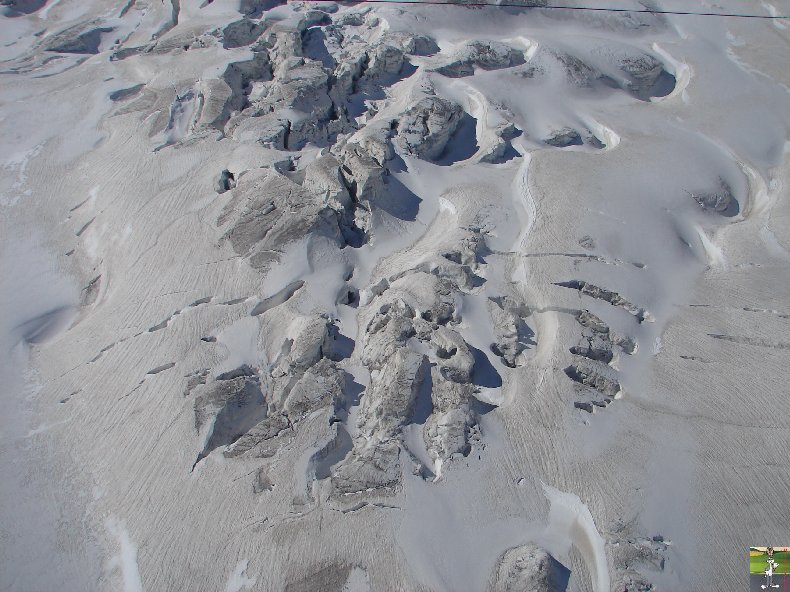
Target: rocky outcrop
<point>303,379</point>
<point>295,395</point>
<point>411,44</point>
<point>502,149</point>
<point>721,201</point>
<point>224,182</point>
<point>564,137</point>
<point>590,376</point>
<point>300,86</point>
<point>512,332</point>
<point>240,76</point>
<point>638,73</point>
<point>278,212</point>
<point>425,128</point>
<point>254,8</point>
<point>242,32</point>
<point>384,60</point>
<point>80,39</point>
<point>422,376</point>
<point>233,405</point>
<point>529,568</point>
<point>594,357</point>
<point>213,97</point>
<point>286,97</point>
<point>601,335</point>
<point>613,298</point>
<point>645,76</point>
<point>636,559</point>
<point>486,55</point>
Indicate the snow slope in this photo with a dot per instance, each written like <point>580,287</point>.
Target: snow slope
<point>319,296</point>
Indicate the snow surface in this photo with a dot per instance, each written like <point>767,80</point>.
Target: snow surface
<point>129,287</point>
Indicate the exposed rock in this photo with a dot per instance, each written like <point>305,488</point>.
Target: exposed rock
<point>372,470</point>
<point>412,44</point>
<point>255,7</point>
<point>239,77</point>
<point>323,177</point>
<point>225,182</point>
<point>384,59</point>
<point>262,482</point>
<point>646,76</point>
<point>564,137</point>
<point>426,128</point>
<point>321,385</point>
<point>278,213</point>
<point>278,298</point>
<point>242,32</point>
<point>720,201</point>
<point>639,74</point>
<point>91,292</point>
<point>126,93</point>
<point>589,376</point>
<point>635,558</point>
<point>486,55</point>
<point>80,39</point>
<point>529,568</point>
<point>513,334</point>
<point>331,578</point>
<point>235,405</point>
<point>612,298</point>
<point>364,178</point>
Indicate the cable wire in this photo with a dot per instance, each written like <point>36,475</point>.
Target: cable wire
<point>584,8</point>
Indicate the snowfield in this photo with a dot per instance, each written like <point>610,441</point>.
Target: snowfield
<point>358,297</point>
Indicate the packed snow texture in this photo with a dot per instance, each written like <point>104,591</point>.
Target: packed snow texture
<point>346,297</point>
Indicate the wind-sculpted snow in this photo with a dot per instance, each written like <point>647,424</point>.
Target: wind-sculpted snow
<point>474,285</point>
<point>595,67</point>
